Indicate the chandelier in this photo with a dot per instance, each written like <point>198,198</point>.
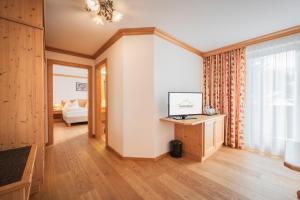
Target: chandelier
<point>102,10</point>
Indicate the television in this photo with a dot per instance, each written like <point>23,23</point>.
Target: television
<point>184,104</point>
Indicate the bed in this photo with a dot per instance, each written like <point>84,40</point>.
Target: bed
<point>75,111</point>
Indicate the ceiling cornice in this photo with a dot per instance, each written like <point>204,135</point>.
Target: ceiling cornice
<point>119,34</point>
<point>125,32</point>
<point>72,53</point>
<point>155,31</point>
<point>145,31</point>
<point>177,42</point>
<point>263,38</point>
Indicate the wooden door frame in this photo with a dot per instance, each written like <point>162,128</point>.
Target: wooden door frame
<point>103,62</point>
<point>50,63</point>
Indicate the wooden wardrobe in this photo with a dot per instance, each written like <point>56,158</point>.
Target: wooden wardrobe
<point>22,104</point>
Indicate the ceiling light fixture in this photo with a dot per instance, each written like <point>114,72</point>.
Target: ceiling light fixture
<point>102,10</point>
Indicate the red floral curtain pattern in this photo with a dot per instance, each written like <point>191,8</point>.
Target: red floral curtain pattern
<point>224,89</point>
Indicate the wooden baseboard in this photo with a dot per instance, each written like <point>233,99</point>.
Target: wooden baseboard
<point>114,151</point>
<point>137,158</point>
<point>162,156</point>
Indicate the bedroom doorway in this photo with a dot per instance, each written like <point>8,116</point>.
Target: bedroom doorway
<point>101,100</point>
<point>69,99</point>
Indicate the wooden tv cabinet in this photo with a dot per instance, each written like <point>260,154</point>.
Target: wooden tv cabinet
<point>201,137</point>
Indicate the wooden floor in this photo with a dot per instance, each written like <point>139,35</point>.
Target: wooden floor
<point>82,168</point>
<point>61,132</point>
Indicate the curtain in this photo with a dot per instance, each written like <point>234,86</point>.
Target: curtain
<point>224,89</point>
<point>273,95</point>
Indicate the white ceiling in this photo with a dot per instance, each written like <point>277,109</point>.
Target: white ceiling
<point>204,24</point>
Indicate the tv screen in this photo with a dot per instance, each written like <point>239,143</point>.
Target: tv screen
<point>185,103</point>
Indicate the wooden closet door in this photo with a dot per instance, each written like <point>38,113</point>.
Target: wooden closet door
<point>219,132</point>
<point>22,90</point>
<point>209,142</point>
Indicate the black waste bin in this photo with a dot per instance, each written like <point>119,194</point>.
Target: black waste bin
<point>176,148</point>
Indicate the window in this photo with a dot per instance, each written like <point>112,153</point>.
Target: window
<point>273,95</point>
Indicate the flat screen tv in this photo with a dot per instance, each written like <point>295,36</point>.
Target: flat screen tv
<point>183,104</point>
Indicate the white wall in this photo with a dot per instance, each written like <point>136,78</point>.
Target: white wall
<point>64,87</point>
<point>114,57</point>
<point>138,91</point>
<point>142,70</point>
<point>175,70</point>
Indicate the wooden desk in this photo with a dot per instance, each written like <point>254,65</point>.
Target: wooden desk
<point>201,137</point>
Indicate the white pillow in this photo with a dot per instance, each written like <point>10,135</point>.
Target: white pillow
<point>71,104</point>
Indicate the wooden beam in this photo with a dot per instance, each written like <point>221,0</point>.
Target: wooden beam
<point>264,38</point>
<point>72,53</point>
<point>70,76</point>
<point>144,31</point>
<point>176,41</point>
<point>119,34</point>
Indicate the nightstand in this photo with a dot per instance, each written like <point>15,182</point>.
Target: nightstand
<point>57,115</point>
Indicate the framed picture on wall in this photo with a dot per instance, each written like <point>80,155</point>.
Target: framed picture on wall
<point>81,86</point>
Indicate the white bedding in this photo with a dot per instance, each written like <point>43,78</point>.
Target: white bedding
<point>75,114</point>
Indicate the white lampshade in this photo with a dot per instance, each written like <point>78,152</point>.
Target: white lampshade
<point>93,5</point>
<point>98,20</point>
<point>117,16</point>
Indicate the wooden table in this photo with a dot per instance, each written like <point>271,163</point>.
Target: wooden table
<point>201,137</point>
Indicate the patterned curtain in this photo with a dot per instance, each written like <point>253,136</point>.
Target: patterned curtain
<point>224,89</point>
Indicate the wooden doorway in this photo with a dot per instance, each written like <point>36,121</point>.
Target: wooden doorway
<point>101,101</point>
<point>50,64</point>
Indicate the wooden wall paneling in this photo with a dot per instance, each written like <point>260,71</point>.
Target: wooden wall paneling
<point>22,90</point>
<point>4,69</point>
<point>29,12</point>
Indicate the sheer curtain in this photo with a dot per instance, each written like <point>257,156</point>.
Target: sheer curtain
<point>272,113</point>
